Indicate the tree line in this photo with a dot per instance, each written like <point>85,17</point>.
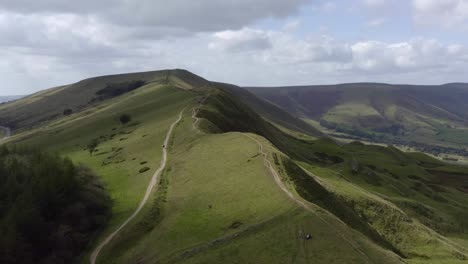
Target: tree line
<point>50,208</point>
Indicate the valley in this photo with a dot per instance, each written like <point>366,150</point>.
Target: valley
<point>430,119</point>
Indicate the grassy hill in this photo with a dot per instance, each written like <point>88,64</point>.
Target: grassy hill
<point>422,116</point>
<point>219,201</point>
<point>57,102</point>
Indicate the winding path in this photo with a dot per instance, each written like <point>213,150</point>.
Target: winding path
<point>195,111</point>
<point>149,189</point>
<point>299,201</point>
<point>302,203</point>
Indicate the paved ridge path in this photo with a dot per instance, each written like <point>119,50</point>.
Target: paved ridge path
<point>149,189</point>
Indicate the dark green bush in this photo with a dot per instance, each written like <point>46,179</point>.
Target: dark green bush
<point>124,119</point>
<point>49,208</point>
<point>67,112</point>
<point>116,89</point>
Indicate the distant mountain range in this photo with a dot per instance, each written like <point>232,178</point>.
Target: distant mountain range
<point>409,114</point>
<point>9,98</point>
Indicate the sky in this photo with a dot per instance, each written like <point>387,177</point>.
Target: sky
<point>46,43</point>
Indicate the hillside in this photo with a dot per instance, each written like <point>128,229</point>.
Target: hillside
<point>4,99</point>
<point>420,116</point>
<point>244,181</point>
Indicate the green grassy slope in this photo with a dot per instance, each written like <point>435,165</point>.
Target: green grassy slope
<point>49,105</point>
<point>232,211</point>
<point>414,198</point>
<point>217,202</point>
<point>242,196</point>
<point>123,149</point>
<point>418,115</point>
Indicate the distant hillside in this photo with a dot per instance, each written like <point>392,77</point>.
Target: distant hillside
<point>431,115</point>
<point>53,103</point>
<point>4,99</point>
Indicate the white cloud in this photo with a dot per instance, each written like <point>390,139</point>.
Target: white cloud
<point>448,13</point>
<point>376,57</point>
<point>325,6</point>
<point>50,42</point>
<point>291,25</point>
<point>246,39</point>
<point>190,16</point>
<point>413,55</point>
<point>374,3</point>
<point>376,22</point>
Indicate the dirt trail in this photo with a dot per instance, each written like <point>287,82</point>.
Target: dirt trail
<point>152,183</point>
<point>195,110</point>
<point>299,201</point>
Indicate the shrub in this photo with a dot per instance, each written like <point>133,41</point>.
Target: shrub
<point>67,112</point>
<point>92,146</point>
<point>116,89</point>
<point>144,169</point>
<point>124,119</point>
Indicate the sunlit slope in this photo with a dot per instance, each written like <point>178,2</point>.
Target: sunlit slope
<point>54,103</point>
<point>123,150</point>
<point>218,203</point>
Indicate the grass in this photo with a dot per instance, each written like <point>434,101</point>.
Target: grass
<point>400,179</point>
<point>242,215</point>
<point>235,187</point>
<point>279,241</point>
<point>216,201</point>
<point>242,195</point>
<point>395,220</point>
<point>457,136</point>
<point>152,109</point>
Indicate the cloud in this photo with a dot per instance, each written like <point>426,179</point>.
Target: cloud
<point>414,55</point>
<point>254,42</point>
<point>246,39</point>
<point>374,3</point>
<point>324,6</point>
<point>191,16</point>
<point>447,13</point>
<point>376,57</point>
<point>376,22</point>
